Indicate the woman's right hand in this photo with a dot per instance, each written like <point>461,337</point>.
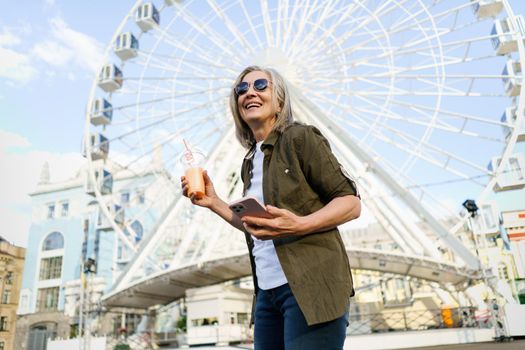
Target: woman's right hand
<point>209,197</point>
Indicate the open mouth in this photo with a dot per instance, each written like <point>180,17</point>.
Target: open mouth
<point>252,105</point>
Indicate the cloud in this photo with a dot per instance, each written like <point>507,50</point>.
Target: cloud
<point>69,47</point>
<point>21,168</point>
<point>8,39</point>
<point>14,65</point>
<point>53,53</point>
<point>63,48</point>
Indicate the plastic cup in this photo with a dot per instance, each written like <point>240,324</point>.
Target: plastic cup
<point>193,163</point>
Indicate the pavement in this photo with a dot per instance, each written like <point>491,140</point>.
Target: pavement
<point>516,344</point>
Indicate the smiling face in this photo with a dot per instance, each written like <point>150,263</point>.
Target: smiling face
<point>256,107</point>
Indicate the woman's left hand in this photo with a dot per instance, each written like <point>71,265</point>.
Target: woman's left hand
<point>283,223</point>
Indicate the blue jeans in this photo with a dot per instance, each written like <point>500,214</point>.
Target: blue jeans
<point>280,324</point>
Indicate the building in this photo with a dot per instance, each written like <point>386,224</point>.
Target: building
<point>11,267</point>
<point>218,314</point>
<point>514,224</point>
<point>74,254</point>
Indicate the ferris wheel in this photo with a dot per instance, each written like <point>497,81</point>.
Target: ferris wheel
<point>415,97</point>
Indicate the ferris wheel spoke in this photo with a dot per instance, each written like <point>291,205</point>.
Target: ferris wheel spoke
<point>186,61</point>
<point>150,125</point>
<point>449,156</point>
<point>416,152</point>
<point>445,112</point>
<point>197,53</point>
<point>237,36</point>
<point>268,31</point>
<point>189,93</point>
<point>149,86</point>
<point>196,125</point>
<point>412,43</point>
<point>307,12</point>
<point>223,47</point>
<point>286,44</point>
<point>250,23</point>
<point>163,65</point>
<point>439,123</point>
<point>312,38</point>
<point>408,50</point>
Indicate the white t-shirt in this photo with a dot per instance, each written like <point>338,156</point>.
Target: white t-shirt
<point>269,272</point>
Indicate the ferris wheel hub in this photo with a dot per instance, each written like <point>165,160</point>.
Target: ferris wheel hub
<point>276,58</point>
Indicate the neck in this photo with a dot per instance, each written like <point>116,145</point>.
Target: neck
<point>261,131</point>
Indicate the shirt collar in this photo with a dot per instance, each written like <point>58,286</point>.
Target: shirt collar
<point>269,142</point>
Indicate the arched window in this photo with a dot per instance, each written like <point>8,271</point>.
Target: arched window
<point>54,240</point>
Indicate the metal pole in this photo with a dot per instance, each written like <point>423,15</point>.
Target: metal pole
<point>484,273</point>
<point>81,307</point>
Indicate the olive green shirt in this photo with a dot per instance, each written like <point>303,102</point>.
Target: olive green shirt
<point>301,174</point>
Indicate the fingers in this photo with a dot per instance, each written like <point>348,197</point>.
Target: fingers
<point>255,221</point>
<point>184,186</point>
<point>259,232</point>
<point>274,211</point>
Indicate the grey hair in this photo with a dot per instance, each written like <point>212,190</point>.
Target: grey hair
<point>280,98</point>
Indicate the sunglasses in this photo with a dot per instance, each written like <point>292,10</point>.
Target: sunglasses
<point>258,85</point>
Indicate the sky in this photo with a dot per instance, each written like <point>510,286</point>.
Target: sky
<point>49,54</point>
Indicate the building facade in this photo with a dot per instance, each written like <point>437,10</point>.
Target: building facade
<point>11,268</point>
<point>74,253</point>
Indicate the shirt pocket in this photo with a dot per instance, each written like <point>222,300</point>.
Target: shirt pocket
<point>288,184</point>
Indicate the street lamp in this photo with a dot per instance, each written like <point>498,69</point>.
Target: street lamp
<point>471,207</point>
<point>499,333</point>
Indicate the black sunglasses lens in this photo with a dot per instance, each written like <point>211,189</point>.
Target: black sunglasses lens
<point>260,84</point>
<point>242,88</point>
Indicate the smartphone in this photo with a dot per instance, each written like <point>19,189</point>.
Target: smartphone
<point>249,206</point>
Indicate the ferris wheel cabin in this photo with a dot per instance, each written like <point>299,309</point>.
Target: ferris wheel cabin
<point>487,8</point>
<point>505,38</point>
<point>99,146</point>
<point>513,175</point>
<point>101,112</point>
<point>486,222</point>
<point>117,214</point>
<point>110,78</point>
<point>147,17</point>
<point>103,181</point>
<point>126,46</point>
<point>512,78</point>
<point>510,117</point>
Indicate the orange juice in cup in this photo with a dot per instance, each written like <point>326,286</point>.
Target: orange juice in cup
<point>193,161</point>
<point>195,182</point>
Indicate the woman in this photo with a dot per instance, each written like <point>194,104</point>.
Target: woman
<point>301,272</point>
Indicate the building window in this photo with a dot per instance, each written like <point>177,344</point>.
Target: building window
<point>131,323</point>
<point>3,323</point>
<point>47,299</point>
<point>141,197</point>
<point>2,345</point>
<point>503,271</point>
<point>53,241</point>
<point>9,277</point>
<point>50,211</point>
<point>50,268</point>
<point>6,297</point>
<point>124,197</point>
<point>65,209</point>
<point>138,229</point>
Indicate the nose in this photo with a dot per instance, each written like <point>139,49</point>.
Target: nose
<point>251,91</point>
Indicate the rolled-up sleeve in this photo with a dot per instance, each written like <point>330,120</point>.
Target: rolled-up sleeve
<point>324,173</point>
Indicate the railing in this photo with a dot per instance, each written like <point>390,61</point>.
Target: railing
<point>392,321</point>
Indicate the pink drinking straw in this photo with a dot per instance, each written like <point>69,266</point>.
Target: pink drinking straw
<point>188,154</point>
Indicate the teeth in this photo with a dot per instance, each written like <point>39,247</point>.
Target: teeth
<point>248,106</point>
